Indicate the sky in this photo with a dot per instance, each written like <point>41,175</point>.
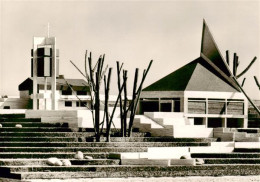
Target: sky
<point>132,32</point>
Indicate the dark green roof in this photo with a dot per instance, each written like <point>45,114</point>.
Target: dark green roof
<point>198,75</point>
<point>176,81</point>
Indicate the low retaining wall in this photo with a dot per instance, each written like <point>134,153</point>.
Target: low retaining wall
<point>75,118</point>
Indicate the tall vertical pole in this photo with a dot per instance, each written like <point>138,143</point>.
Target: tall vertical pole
<point>34,75</point>
<point>53,77</point>
<point>45,78</point>
<point>45,91</point>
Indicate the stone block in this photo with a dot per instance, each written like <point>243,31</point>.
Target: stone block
<point>192,131</point>
<point>222,144</point>
<point>167,152</point>
<point>247,145</point>
<point>66,162</point>
<point>199,161</point>
<point>79,155</point>
<point>53,161</point>
<point>160,162</point>
<point>185,157</point>
<point>211,149</point>
<point>18,126</point>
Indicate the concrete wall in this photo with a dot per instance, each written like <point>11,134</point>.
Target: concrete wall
<point>15,103</point>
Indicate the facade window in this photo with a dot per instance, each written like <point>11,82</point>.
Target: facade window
<point>215,122</point>
<point>170,105</point>
<point>82,92</point>
<point>197,105</point>
<point>81,104</point>
<point>149,106</point>
<point>235,107</point>
<point>66,92</point>
<point>216,106</point>
<point>68,103</point>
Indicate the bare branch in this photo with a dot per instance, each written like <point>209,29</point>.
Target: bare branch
<point>227,57</point>
<point>86,72</point>
<point>256,81</point>
<point>104,72</point>
<point>247,68</point>
<point>235,64</point>
<point>78,69</point>
<point>243,82</point>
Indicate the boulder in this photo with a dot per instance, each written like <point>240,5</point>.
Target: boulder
<point>53,161</point>
<point>79,155</point>
<point>58,163</point>
<point>199,161</point>
<point>88,157</point>
<point>18,126</point>
<point>185,157</point>
<point>66,162</point>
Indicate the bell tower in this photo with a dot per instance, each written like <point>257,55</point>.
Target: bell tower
<point>44,64</point>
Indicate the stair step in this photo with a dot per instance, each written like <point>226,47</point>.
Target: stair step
<point>70,142</point>
<point>123,168</point>
<point>20,120</point>
<point>12,115</point>
<point>250,150</point>
<point>155,139</point>
<point>33,124</point>
<point>14,141</point>
<point>35,129</point>
<point>133,171</point>
<point>225,155</point>
<point>143,174</point>
<point>42,162</point>
<point>250,130</point>
<point>232,161</point>
<point>45,134</point>
<point>60,155</point>
<point>73,149</point>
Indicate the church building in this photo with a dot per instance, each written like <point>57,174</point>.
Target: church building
<point>202,90</point>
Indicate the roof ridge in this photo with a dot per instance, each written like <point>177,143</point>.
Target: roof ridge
<point>227,78</point>
<point>191,75</point>
<point>211,50</point>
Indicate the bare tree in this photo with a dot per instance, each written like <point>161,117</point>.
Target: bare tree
<point>257,82</point>
<point>236,64</point>
<point>235,76</point>
<point>94,77</point>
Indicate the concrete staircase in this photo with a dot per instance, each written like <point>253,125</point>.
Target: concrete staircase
<point>24,152</point>
<point>172,125</point>
<point>237,135</point>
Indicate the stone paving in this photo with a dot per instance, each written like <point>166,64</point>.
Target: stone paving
<point>163,179</point>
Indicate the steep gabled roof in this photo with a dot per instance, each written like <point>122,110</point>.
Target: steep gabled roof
<point>210,49</point>
<point>209,72</point>
<point>76,84</point>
